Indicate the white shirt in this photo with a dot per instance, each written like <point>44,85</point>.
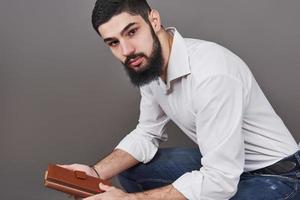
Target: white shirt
<point>214,99</point>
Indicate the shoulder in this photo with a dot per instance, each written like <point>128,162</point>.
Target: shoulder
<point>209,59</point>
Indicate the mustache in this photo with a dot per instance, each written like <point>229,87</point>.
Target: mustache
<point>133,56</point>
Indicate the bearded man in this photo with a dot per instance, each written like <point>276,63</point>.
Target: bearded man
<point>245,150</point>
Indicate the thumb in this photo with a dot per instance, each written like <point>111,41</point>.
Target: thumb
<point>105,187</point>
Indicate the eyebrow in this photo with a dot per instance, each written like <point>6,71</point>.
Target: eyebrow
<point>122,32</point>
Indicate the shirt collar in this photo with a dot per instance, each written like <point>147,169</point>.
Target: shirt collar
<point>178,64</point>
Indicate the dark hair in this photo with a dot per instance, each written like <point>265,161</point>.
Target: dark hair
<point>104,10</point>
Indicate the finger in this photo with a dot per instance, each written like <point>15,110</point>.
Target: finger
<point>65,166</point>
<point>105,187</point>
<point>94,197</point>
<point>70,167</point>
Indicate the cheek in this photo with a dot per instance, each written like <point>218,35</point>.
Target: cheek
<point>146,44</point>
<point>118,55</point>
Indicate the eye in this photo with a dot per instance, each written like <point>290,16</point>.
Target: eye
<point>132,32</point>
<point>113,43</point>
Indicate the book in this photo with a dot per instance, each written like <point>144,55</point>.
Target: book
<point>75,183</point>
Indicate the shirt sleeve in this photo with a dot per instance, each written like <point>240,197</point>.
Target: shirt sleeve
<point>142,143</point>
<point>218,102</point>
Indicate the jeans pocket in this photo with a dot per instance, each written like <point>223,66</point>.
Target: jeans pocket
<point>280,187</point>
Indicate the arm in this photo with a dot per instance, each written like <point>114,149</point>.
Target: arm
<point>164,193</point>
<point>111,165</point>
<point>142,143</point>
<point>138,146</point>
<point>218,102</point>
<point>115,163</point>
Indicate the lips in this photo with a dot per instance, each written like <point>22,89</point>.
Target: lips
<point>136,61</point>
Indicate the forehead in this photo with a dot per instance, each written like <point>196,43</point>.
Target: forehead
<point>117,23</point>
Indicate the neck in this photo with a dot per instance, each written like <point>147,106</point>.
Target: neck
<point>166,40</point>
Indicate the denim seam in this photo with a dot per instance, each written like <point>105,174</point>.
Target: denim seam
<point>292,194</point>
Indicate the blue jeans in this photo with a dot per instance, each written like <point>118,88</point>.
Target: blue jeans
<point>170,163</point>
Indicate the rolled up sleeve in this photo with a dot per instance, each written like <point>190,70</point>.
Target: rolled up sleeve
<point>219,103</point>
<point>143,142</point>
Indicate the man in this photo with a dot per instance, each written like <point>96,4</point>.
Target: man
<point>245,150</point>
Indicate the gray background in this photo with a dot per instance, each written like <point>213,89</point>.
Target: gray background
<point>65,99</point>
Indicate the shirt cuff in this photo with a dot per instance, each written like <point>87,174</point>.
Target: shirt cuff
<point>188,185</point>
<point>141,147</point>
<point>196,185</point>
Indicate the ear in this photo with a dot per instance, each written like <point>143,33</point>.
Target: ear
<point>155,21</point>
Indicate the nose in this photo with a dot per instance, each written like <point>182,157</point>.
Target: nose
<point>127,48</point>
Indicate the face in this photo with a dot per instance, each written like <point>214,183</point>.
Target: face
<point>133,41</point>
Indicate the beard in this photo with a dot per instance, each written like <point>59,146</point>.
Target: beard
<point>152,69</point>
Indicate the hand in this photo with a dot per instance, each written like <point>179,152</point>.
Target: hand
<point>79,167</point>
<point>110,193</point>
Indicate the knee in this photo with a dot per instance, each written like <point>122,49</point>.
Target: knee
<point>128,181</point>
<point>134,173</point>
<point>123,176</point>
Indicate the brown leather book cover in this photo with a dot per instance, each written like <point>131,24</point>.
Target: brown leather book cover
<point>76,183</point>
